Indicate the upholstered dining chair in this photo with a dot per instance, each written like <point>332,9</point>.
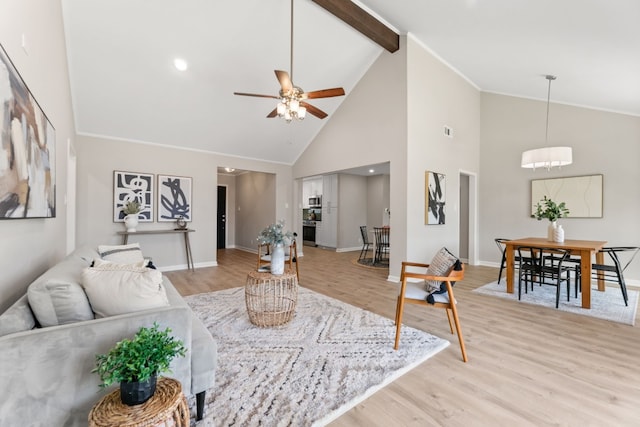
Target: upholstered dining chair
<point>415,293</point>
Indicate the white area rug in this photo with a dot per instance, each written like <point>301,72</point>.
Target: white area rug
<point>330,357</point>
<point>607,305</point>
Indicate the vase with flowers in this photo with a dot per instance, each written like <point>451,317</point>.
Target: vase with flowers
<point>548,209</point>
<point>131,210</point>
<point>275,236</point>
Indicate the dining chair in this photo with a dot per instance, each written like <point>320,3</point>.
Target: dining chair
<point>381,236</point>
<point>415,293</point>
<point>532,268</point>
<point>500,243</point>
<point>614,273</point>
<point>365,242</point>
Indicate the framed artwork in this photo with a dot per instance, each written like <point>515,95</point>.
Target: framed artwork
<point>582,195</point>
<point>435,198</point>
<point>174,198</point>
<point>28,150</point>
<point>132,187</point>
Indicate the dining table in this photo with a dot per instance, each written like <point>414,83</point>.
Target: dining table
<point>583,248</point>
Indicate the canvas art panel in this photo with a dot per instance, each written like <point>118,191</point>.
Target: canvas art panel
<point>435,198</point>
<point>133,187</point>
<point>174,198</point>
<point>27,150</point>
<point>582,195</point>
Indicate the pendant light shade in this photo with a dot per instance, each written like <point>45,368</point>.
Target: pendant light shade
<point>547,157</point>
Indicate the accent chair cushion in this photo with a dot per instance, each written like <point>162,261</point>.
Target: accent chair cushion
<point>440,265</point>
<point>123,254</point>
<point>123,288</point>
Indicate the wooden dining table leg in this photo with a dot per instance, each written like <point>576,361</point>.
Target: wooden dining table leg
<point>585,279</point>
<point>510,258</point>
<point>600,260</point>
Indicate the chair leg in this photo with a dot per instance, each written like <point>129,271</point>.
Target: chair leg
<point>623,288</point>
<point>454,311</point>
<point>398,321</point>
<point>449,319</point>
<point>200,405</point>
<point>502,263</point>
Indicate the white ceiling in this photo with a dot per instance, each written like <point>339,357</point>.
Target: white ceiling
<point>124,84</point>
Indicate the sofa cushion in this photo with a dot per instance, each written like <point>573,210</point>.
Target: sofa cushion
<point>56,297</point>
<point>17,318</point>
<point>124,254</point>
<point>123,288</point>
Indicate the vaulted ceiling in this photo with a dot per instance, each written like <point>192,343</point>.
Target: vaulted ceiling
<point>124,84</point>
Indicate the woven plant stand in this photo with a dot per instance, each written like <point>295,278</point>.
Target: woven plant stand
<point>168,407</point>
<point>271,299</point>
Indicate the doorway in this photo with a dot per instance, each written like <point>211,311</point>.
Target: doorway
<point>468,218</point>
<point>222,217</point>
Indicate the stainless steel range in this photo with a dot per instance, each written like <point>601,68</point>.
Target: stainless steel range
<point>309,232</point>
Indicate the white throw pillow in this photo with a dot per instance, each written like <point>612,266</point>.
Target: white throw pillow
<point>115,289</point>
<point>440,265</point>
<point>123,254</point>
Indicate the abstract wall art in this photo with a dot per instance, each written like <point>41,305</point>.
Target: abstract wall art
<point>132,187</point>
<point>27,150</point>
<point>174,198</point>
<point>582,195</point>
<point>435,198</point>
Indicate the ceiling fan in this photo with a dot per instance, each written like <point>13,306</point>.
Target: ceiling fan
<point>292,98</point>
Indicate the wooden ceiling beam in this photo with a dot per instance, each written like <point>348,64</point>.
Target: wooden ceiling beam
<point>362,21</point>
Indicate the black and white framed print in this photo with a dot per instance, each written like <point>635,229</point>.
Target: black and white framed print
<point>174,198</point>
<point>133,187</point>
<point>27,150</point>
<point>434,212</point>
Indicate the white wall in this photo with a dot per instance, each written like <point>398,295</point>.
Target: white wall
<point>29,246</point>
<point>99,157</point>
<point>352,211</point>
<point>437,96</point>
<point>255,207</point>
<point>603,143</point>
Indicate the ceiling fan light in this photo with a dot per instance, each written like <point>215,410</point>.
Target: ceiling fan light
<point>287,115</point>
<point>281,108</point>
<point>294,105</point>
<point>302,112</point>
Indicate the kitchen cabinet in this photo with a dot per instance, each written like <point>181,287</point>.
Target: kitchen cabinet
<point>327,229</point>
<point>311,187</point>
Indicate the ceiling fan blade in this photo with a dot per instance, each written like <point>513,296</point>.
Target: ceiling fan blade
<point>255,94</point>
<point>313,110</point>
<point>273,114</point>
<point>285,80</point>
<point>324,93</point>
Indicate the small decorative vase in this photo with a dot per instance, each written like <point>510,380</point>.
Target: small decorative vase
<point>277,260</point>
<point>558,234</point>
<point>137,392</point>
<point>550,230</point>
<point>131,222</point>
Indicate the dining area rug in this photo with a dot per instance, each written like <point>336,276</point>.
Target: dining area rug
<point>607,305</point>
<point>327,359</point>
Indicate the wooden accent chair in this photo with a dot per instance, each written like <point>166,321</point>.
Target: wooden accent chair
<point>415,293</point>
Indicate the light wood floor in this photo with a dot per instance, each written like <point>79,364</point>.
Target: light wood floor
<point>528,366</point>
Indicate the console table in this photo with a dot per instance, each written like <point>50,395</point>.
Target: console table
<point>167,407</point>
<point>185,232</point>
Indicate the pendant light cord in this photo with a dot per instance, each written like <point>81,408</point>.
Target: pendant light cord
<point>546,132</point>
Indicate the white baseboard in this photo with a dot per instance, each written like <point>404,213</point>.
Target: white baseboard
<point>186,267</point>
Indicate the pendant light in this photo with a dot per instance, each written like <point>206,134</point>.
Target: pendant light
<point>547,157</point>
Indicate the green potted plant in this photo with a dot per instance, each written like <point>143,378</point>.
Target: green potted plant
<point>275,236</point>
<point>137,362</point>
<point>547,208</point>
<point>131,210</point>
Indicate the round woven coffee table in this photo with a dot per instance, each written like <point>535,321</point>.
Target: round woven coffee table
<point>167,407</point>
<point>271,299</point>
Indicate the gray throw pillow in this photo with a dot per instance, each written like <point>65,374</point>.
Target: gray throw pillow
<point>440,265</point>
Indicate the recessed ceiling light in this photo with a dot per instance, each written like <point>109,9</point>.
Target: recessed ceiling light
<point>371,170</point>
<point>180,64</point>
<point>229,169</point>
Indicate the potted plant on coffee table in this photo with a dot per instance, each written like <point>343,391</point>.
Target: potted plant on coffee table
<point>137,362</point>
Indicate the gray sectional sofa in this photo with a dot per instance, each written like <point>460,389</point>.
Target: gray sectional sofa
<point>45,372</point>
